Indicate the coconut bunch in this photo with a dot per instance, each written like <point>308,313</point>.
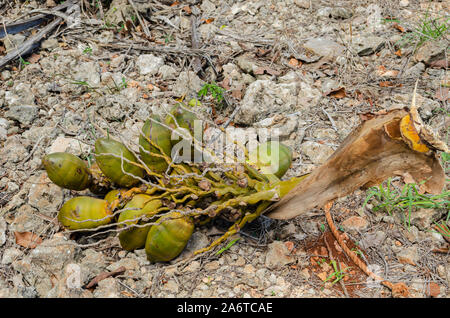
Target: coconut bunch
<point>156,201</point>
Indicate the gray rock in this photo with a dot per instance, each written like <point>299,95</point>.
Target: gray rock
<point>187,82</point>
<point>372,239</point>
<point>317,153</point>
<point>50,44</point>
<point>92,264</point>
<point>171,286</point>
<point>35,275</point>
<point>289,230</point>
<point>423,218</point>
<point>3,227</point>
<point>5,75</point>
<point>21,94</point>
<point>263,98</point>
<point>373,12</point>
<point>44,195</point>
<point>414,71</point>
<point>148,64</point>
<point>207,31</point>
<point>444,271</point>
<point>10,255</point>
<point>355,223</point>
<point>69,284</point>
<point>167,72</point>
<point>118,10</point>
<point>246,63</point>
<point>207,6</point>
<point>114,107</point>
<point>340,13</point>
<point>193,267</point>
<point>329,85</point>
<point>6,291</point>
<point>70,145</point>
<point>3,133</point>
<point>13,150</point>
<point>324,12</point>
<point>88,72</point>
<point>304,4</point>
<point>107,288</point>
<point>28,292</point>
<point>26,220</point>
<point>324,47</point>
<point>4,123</point>
<point>197,241</point>
<point>131,264</point>
<point>278,255</point>
<point>24,114</point>
<point>431,51</point>
<point>367,44</point>
<point>404,3</point>
<point>55,253</point>
<point>281,130</point>
<point>325,134</point>
<point>409,255</point>
<point>11,42</point>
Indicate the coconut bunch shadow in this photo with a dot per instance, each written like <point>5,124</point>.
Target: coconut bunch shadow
<point>155,198</point>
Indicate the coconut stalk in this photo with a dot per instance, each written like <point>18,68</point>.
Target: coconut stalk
<point>386,144</point>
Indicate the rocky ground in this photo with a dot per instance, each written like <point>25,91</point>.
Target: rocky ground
<point>306,67</point>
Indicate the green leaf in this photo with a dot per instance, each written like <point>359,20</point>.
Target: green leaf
<point>228,246</point>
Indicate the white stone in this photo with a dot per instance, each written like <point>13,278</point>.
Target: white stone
<point>148,64</point>
<point>10,255</point>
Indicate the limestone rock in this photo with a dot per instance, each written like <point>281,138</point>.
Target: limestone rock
<point>278,255</point>
<point>24,114</point>
<point>263,98</point>
<point>148,64</point>
<point>317,153</point>
<point>324,47</point>
<point>187,82</point>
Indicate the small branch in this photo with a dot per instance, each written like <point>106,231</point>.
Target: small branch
<point>105,275</point>
<point>144,26</point>
<point>29,44</point>
<point>398,288</point>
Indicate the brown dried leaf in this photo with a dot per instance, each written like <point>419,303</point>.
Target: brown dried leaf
<point>382,71</point>
<point>398,27</point>
<point>294,62</point>
<point>187,9</point>
<point>340,93</point>
<point>323,276</point>
<point>389,84</point>
<point>34,58</point>
<point>225,83</point>
<point>208,21</point>
<point>440,64</point>
<point>236,93</point>
<point>442,94</point>
<point>398,53</point>
<point>268,70</point>
<point>27,239</point>
<point>366,116</point>
<point>434,290</point>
